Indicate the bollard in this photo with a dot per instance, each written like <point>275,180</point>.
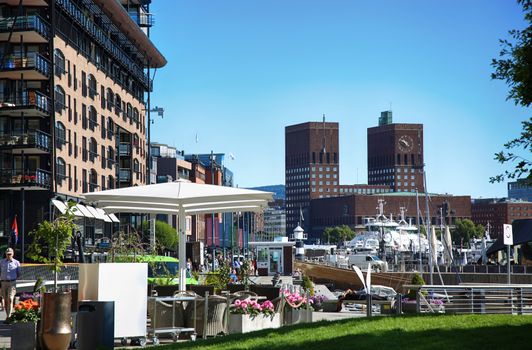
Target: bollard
<point>369,309</point>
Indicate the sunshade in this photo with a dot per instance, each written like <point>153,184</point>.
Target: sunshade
<point>181,198</point>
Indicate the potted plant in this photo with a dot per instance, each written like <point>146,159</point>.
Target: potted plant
<point>249,315</point>
<point>23,322</point>
<point>298,308</point>
<point>49,243</point>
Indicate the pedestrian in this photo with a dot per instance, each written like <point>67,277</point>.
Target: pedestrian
<point>9,272</point>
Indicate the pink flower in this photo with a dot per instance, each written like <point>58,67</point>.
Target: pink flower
<point>237,302</point>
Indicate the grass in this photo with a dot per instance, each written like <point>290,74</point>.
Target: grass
<point>405,332</point>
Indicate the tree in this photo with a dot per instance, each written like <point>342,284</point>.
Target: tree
<point>338,234</point>
<point>465,230</point>
<point>165,234</point>
<point>514,66</point>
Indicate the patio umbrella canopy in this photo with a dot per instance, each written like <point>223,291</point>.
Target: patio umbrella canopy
<point>181,198</point>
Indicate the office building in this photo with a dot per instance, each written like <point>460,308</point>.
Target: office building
<point>311,168</point>
<point>520,189</point>
<point>395,155</point>
<point>499,211</point>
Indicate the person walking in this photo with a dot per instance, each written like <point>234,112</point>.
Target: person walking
<point>9,272</point>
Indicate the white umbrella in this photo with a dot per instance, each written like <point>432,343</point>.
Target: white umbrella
<point>448,245</point>
<point>181,198</point>
<point>433,245</point>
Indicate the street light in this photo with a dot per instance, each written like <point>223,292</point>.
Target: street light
<point>160,113</point>
<point>213,163</point>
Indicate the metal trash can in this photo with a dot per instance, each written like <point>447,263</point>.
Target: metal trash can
<point>96,325</point>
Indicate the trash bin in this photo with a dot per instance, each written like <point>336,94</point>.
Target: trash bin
<point>96,325</point>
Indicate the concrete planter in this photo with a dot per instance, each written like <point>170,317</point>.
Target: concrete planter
<point>23,336</point>
<point>292,316</point>
<point>244,323</point>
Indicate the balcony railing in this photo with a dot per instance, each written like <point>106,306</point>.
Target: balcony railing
<point>102,38</point>
<point>124,149</point>
<point>32,139</point>
<point>33,60</point>
<point>20,177</point>
<point>124,174</point>
<point>28,99</point>
<point>26,23</point>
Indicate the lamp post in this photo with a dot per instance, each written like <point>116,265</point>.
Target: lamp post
<point>160,113</point>
<point>213,163</point>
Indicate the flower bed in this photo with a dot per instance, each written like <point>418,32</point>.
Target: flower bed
<point>249,315</point>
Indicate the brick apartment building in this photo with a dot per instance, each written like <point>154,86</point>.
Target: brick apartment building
<point>73,89</point>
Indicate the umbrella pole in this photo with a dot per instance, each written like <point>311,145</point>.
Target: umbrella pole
<point>182,250</point>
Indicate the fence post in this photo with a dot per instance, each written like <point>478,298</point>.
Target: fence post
<point>369,309</point>
<point>398,303</point>
<point>471,301</point>
<point>418,301</point>
<point>520,309</point>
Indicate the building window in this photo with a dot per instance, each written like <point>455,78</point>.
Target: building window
<point>92,86</point>
<point>93,118</point>
<point>60,134</point>
<point>61,170</point>
<point>110,157</point>
<point>83,84</point>
<point>59,63</point>
<point>118,104</point>
<point>110,128</point>
<point>93,149</point>
<point>93,180</point>
<point>60,99</point>
<point>110,99</point>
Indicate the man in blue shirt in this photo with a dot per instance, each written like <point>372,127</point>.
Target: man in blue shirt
<point>9,272</point>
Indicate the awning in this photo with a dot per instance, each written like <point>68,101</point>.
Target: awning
<point>105,217</point>
<point>86,213</point>
<point>61,206</point>
<point>113,218</point>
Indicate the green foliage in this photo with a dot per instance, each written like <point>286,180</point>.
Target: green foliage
<point>417,280</point>
<point>308,285</point>
<point>125,247</point>
<point>466,230</point>
<point>165,234</point>
<point>23,316</point>
<point>51,239</point>
<point>338,234</point>
<point>243,274</point>
<point>220,278</point>
<point>515,67</point>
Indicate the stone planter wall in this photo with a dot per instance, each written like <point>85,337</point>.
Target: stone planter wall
<point>244,324</point>
<point>292,316</point>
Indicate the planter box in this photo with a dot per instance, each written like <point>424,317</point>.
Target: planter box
<point>330,305</point>
<point>244,324</point>
<point>23,336</point>
<point>292,316</point>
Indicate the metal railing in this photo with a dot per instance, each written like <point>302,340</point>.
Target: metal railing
<point>471,299</point>
<point>124,174</point>
<point>27,99</point>
<point>20,177</point>
<point>124,149</point>
<point>32,139</point>
<point>33,60</point>
<point>26,23</point>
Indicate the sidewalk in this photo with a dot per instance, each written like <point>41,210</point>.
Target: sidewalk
<point>5,332</point>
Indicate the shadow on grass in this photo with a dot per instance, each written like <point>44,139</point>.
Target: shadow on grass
<point>492,337</point>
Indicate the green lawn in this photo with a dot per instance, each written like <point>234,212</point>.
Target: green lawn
<point>407,332</point>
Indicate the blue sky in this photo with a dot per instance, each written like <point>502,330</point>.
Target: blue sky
<point>239,71</point>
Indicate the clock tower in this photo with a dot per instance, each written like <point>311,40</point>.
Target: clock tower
<point>395,155</point>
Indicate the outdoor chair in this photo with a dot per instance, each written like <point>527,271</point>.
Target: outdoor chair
<point>242,295</point>
<point>161,314</point>
<point>216,309</point>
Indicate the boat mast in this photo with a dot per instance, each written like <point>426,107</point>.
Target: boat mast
<point>427,225</point>
<point>419,233</point>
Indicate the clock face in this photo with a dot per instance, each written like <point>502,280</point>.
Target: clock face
<point>405,143</point>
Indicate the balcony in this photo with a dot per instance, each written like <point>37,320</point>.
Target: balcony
<point>25,2</point>
<point>30,102</point>
<point>36,141</point>
<point>31,29</point>
<point>27,179</point>
<point>32,67</point>
<point>124,175</point>
<point>124,149</point>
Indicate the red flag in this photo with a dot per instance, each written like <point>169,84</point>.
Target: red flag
<point>14,229</point>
